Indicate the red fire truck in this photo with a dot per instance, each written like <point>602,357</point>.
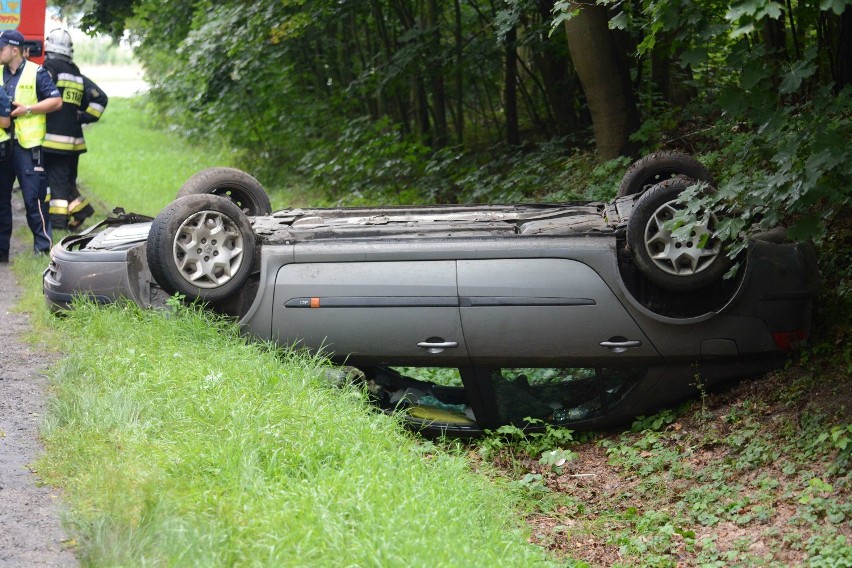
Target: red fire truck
<point>27,16</point>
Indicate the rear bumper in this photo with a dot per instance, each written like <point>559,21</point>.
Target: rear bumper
<point>103,276</point>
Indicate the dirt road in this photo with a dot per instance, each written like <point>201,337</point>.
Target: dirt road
<point>30,529</point>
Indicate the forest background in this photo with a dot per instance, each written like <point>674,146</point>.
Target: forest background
<point>425,101</point>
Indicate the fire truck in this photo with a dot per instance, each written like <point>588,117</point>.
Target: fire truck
<point>27,16</point>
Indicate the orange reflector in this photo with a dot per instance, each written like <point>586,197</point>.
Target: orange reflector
<point>315,303</point>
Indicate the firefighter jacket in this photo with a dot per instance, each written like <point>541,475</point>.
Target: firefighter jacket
<point>82,102</point>
<point>29,129</point>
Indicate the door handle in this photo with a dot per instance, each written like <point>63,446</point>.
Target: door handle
<point>620,345</point>
<point>436,345</point>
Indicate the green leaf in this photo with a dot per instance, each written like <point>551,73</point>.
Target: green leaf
<point>753,74</point>
<point>836,6</point>
<point>737,11</point>
<point>619,22</point>
<point>693,57</point>
<point>793,79</point>
<point>806,227</point>
<point>742,30</point>
<point>772,10</point>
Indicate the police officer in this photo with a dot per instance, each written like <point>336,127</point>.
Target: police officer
<point>33,95</point>
<point>83,102</point>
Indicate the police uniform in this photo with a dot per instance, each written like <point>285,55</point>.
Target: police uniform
<point>83,102</point>
<point>5,148</point>
<point>28,85</point>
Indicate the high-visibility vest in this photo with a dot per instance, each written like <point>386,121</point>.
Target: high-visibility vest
<point>3,134</point>
<point>29,130</point>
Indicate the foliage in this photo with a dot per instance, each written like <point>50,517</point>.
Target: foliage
<point>405,102</point>
<point>101,51</point>
<point>539,438</point>
<point>368,162</point>
<point>700,485</point>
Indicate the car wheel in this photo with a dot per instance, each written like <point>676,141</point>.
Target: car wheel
<point>238,186</point>
<point>670,262</point>
<point>660,166</point>
<point>202,246</point>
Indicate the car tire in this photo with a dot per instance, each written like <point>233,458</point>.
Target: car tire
<point>665,260</point>
<point>238,186</point>
<point>202,246</point>
<point>660,166</point>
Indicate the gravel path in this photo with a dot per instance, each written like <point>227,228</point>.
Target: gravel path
<point>31,533</point>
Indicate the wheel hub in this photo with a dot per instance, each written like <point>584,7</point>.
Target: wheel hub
<point>674,254</point>
<point>208,249</point>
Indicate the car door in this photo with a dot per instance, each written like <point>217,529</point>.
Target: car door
<point>544,312</point>
<point>373,312</point>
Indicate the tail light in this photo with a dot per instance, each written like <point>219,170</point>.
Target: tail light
<point>790,340</point>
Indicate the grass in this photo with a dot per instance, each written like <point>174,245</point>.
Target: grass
<point>139,165</point>
<point>186,444</point>
<point>134,164</point>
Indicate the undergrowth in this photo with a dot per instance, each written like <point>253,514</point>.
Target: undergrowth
<point>754,474</point>
<point>180,442</point>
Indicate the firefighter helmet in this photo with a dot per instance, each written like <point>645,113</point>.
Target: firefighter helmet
<point>59,41</point>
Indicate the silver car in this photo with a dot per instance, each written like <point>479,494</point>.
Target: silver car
<point>467,317</point>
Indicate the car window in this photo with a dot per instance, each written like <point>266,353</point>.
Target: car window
<point>558,395</point>
<point>429,394</point>
<point>444,376</point>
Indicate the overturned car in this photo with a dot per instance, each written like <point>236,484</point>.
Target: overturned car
<point>466,317</point>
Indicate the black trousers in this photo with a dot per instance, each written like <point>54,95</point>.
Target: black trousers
<point>67,206</point>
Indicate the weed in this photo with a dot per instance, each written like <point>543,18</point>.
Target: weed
<point>703,414</point>
<point>655,422</point>
<point>828,551</point>
<point>556,459</point>
<point>541,437</point>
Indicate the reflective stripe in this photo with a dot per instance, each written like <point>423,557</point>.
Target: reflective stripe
<point>60,142</point>
<point>72,88</point>
<point>95,109</point>
<point>65,79</point>
<point>58,207</point>
<point>77,205</point>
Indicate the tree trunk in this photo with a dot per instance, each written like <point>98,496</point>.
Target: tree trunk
<point>558,82</point>
<point>605,81</point>
<point>458,118</point>
<point>510,91</point>
<point>843,58</point>
<point>436,77</point>
<point>667,76</point>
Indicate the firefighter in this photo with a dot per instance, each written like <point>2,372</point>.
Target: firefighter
<point>33,95</point>
<point>83,102</point>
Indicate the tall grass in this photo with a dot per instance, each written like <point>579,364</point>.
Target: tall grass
<point>138,165</point>
<point>135,165</point>
<point>179,442</point>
